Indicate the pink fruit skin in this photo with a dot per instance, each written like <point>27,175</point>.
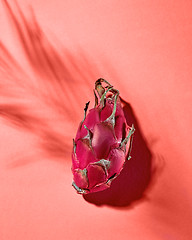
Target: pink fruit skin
<point>102,143</point>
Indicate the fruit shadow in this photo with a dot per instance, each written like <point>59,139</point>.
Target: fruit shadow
<point>130,186</point>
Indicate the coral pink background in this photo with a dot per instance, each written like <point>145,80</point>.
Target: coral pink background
<point>144,49</point>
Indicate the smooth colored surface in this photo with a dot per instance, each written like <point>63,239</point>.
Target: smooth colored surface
<point>144,49</point>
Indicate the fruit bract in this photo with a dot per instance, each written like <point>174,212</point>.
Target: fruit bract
<point>103,142</point>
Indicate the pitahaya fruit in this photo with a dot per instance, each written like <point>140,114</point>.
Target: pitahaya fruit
<point>103,142</point>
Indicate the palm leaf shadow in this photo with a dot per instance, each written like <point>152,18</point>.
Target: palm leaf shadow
<point>45,102</point>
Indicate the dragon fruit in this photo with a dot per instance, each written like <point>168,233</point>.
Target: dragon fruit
<point>103,142</point>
